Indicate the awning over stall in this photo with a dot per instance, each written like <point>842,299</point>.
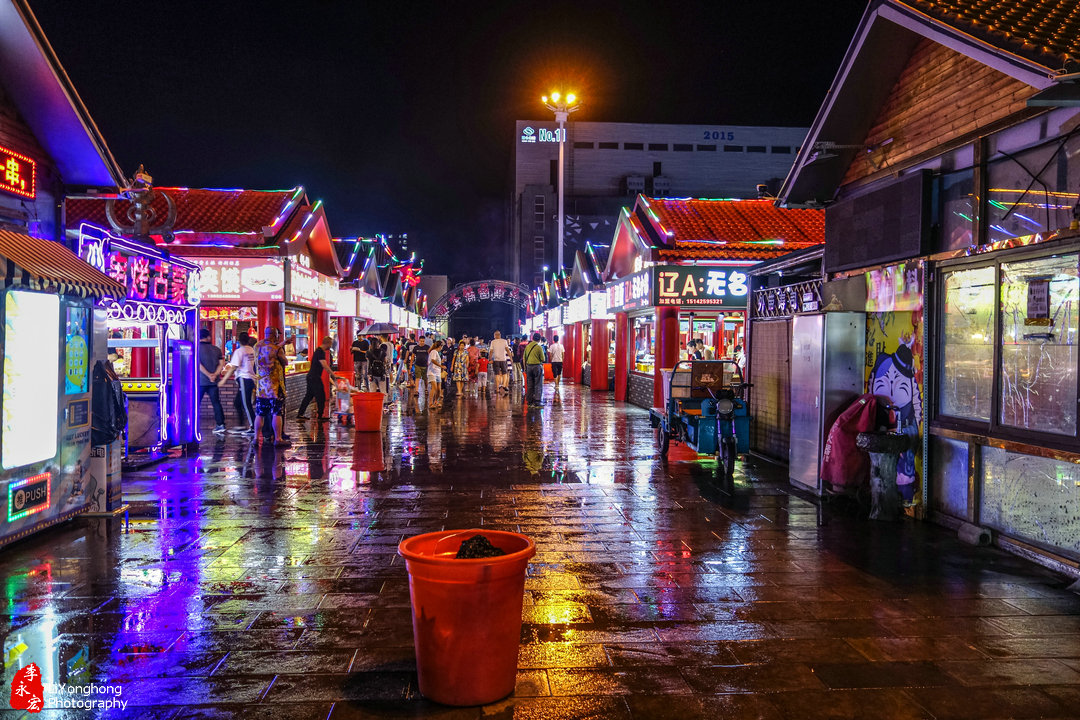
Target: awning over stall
<point>48,266</point>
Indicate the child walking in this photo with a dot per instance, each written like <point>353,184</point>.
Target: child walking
<point>482,372</point>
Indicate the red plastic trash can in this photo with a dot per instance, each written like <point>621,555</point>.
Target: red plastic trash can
<point>367,411</point>
<point>466,614</point>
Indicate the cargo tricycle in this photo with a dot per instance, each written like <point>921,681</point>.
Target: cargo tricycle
<point>704,409</point>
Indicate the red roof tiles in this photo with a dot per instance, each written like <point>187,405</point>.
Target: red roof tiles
<point>1043,31</point>
<point>731,229</point>
<point>236,217</point>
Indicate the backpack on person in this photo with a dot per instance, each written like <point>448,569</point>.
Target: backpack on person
<point>377,361</point>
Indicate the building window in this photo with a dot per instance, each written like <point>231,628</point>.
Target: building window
<point>633,146</point>
<point>781,150</point>
<point>583,146</point>
<point>706,148</point>
<point>1039,318</point>
<point>755,148</point>
<point>733,148</point>
<point>658,146</point>
<point>609,146</point>
<point>683,147</point>
<point>967,353</point>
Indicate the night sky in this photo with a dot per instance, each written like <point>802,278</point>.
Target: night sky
<point>400,116</point>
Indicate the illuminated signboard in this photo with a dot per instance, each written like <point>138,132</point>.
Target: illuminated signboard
<point>577,310</point>
<point>76,351</point>
<point>28,496</point>
<point>311,288</point>
<point>17,174</point>
<point>544,135</point>
<point>631,292</point>
<point>250,280</point>
<point>31,367</point>
<point>704,285</point>
<point>149,274</point>
<point>598,302</point>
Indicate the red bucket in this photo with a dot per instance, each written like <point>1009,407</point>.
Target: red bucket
<point>466,614</point>
<point>367,411</point>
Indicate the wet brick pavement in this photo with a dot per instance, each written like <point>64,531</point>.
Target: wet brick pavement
<point>265,584</point>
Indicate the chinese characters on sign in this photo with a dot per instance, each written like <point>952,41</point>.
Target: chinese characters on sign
<point>247,279</point>
<point>700,285</point>
<point>148,275</point>
<point>633,291</point>
<point>17,174</point>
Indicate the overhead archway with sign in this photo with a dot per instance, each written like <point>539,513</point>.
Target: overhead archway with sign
<point>477,292</point>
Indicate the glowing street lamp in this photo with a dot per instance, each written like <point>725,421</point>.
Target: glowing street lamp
<point>562,106</point>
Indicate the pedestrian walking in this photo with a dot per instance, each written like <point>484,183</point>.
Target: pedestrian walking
<point>378,367</point>
<point>519,363</point>
<point>320,363</point>
<point>482,372</point>
<point>500,357</point>
<point>419,364</point>
<point>242,366</point>
<point>211,363</point>
<point>533,357</point>
<point>473,367</point>
<point>360,348</point>
<point>555,355</point>
<point>434,375</point>
<point>269,386</point>
<point>459,370</point>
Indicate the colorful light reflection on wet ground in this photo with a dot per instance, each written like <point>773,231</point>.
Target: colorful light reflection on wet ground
<point>265,583</point>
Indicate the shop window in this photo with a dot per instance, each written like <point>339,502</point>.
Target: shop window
<point>1032,191</point>
<point>955,191</point>
<point>644,343</point>
<point>967,366</point>
<point>1032,498</point>
<point>1039,317</point>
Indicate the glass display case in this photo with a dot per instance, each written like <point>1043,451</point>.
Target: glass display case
<point>298,325</point>
<point>644,343</point>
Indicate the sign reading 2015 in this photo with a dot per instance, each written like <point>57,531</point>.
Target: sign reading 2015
<point>700,285</point>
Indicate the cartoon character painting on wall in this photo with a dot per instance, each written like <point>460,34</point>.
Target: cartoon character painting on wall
<point>894,362</point>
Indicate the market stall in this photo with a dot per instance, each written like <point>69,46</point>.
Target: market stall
<point>52,336</point>
<point>151,336</point>
<point>677,280</point>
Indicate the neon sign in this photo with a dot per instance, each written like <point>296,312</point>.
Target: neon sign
<point>29,495</point>
<point>144,313</point>
<point>535,135</point>
<point>148,274</point>
<point>17,174</point>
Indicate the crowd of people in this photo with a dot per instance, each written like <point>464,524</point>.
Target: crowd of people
<point>409,367</point>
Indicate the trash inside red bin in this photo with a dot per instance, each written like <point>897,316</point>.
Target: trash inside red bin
<point>842,464</point>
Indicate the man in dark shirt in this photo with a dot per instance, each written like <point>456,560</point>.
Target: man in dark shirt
<point>320,362</point>
<point>360,348</point>
<point>419,364</point>
<point>211,363</point>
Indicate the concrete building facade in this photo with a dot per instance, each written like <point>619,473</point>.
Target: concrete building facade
<point>608,164</point>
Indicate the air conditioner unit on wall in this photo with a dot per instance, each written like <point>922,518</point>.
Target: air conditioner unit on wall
<point>634,184</point>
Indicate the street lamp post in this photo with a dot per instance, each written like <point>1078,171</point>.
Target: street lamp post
<point>562,106</point>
